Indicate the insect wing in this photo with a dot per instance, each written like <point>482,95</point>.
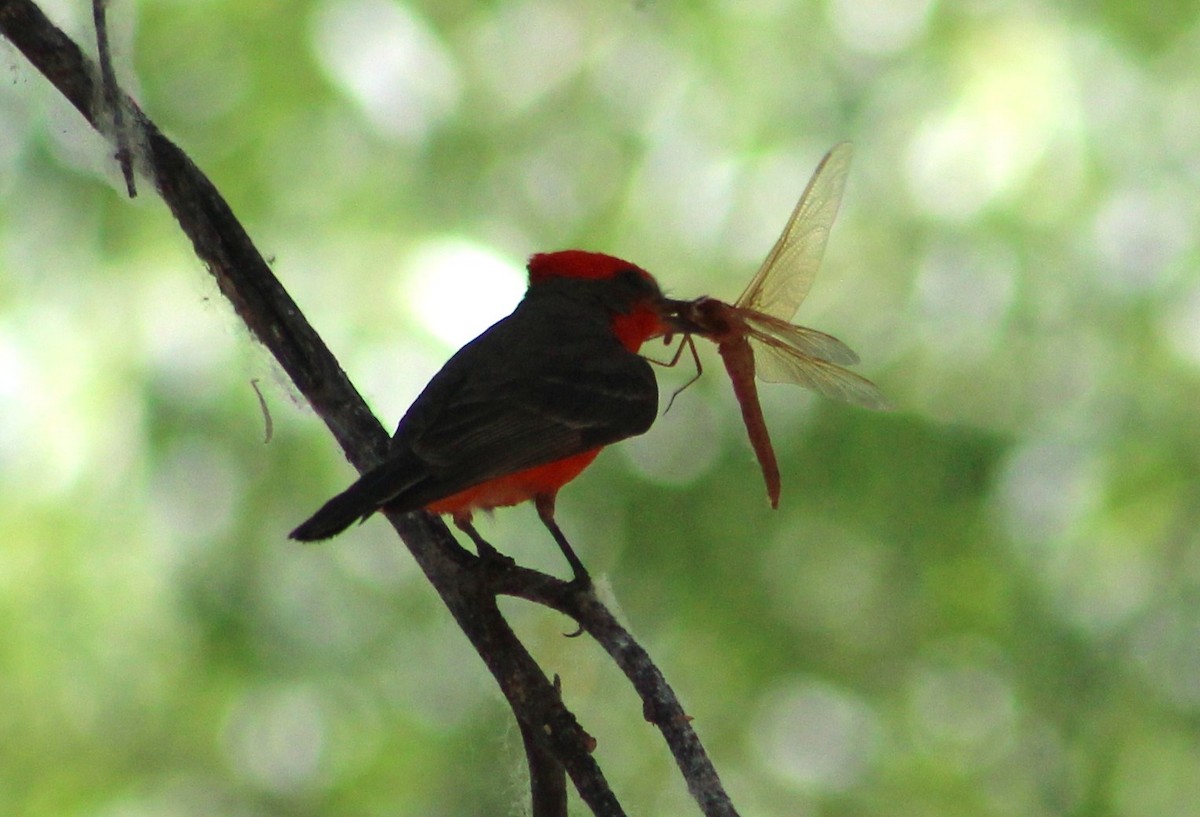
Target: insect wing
<point>780,363</point>
<point>783,280</point>
<point>801,338</point>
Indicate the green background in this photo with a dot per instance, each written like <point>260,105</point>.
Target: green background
<point>984,603</point>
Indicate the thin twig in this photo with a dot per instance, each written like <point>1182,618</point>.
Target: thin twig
<point>111,95</point>
<point>268,423</point>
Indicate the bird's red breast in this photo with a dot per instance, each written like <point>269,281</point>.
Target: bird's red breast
<point>513,489</point>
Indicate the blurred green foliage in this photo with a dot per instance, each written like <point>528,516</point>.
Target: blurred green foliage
<point>985,603</point>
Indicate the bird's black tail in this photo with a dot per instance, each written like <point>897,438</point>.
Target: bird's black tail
<point>371,492</point>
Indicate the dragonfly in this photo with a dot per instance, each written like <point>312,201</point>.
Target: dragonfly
<point>755,334</point>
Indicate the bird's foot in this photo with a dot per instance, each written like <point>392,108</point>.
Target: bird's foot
<point>582,583</point>
<point>493,560</point>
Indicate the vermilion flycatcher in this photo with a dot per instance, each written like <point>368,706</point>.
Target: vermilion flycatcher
<point>521,410</point>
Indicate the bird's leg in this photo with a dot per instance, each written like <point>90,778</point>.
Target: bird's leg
<point>545,509</point>
<point>487,553</point>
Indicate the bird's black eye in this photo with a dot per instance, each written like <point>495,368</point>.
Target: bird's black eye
<point>637,281</point>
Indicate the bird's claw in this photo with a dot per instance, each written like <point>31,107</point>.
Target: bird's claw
<point>493,560</point>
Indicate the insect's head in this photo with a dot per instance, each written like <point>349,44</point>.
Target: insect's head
<point>700,316</point>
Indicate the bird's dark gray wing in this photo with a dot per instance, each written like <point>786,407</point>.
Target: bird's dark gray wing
<point>508,418</point>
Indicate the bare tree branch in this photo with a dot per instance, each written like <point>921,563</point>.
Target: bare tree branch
<point>547,779</point>
<point>555,742</point>
<point>660,706</point>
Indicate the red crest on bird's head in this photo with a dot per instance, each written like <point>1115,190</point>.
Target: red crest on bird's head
<point>593,266</point>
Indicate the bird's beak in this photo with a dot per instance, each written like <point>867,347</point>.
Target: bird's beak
<point>677,316</point>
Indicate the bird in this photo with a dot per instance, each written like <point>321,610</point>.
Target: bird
<point>525,407</point>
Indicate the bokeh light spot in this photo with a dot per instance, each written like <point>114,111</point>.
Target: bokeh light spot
<point>680,448</point>
<point>275,737</point>
<point>880,26</point>
<point>1046,489</point>
<point>1016,97</point>
<point>962,704</point>
<point>816,736</point>
<point>456,289</point>
<point>524,50</point>
<point>1138,234</point>
<point>390,62</point>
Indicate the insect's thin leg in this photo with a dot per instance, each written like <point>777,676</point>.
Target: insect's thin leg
<point>668,364</point>
<point>691,344</point>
